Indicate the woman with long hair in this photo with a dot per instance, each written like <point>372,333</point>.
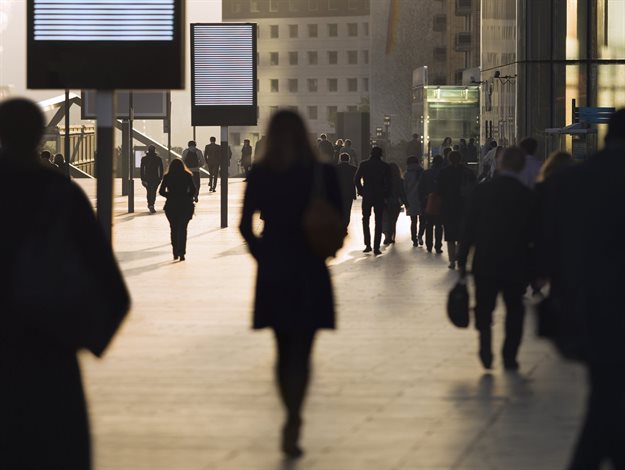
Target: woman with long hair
<point>293,289</point>
<point>557,161</point>
<point>179,190</point>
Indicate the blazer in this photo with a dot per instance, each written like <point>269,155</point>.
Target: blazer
<point>373,180</point>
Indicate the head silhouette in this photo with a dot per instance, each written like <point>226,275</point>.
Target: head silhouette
<point>348,143</point>
<point>46,155</point>
<point>437,161</point>
<point>455,157</point>
<point>512,159</point>
<point>529,145</point>
<point>287,142</point>
<point>151,149</point>
<point>59,159</point>
<point>376,152</point>
<point>177,167</point>
<point>191,143</point>
<point>213,140</point>
<point>21,126</point>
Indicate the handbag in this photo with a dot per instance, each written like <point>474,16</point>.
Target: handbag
<point>323,225</point>
<point>458,304</point>
<point>433,205</point>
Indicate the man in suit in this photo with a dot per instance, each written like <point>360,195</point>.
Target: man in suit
<point>193,158</point>
<point>151,175</point>
<point>326,149</point>
<point>213,157</point>
<point>414,148</point>
<point>346,173</point>
<point>500,227</point>
<point>373,184</point>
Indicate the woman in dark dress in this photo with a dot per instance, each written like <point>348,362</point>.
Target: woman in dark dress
<point>179,190</point>
<point>62,292</point>
<point>293,289</point>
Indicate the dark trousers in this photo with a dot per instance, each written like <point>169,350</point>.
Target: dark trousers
<point>151,193</point>
<point>602,438</point>
<point>178,225</point>
<point>417,227</point>
<point>486,291</point>
<point>293,370</point>
<point>212,179</point>
<point>196,182</point>
<point>378,208</point>
<point>433,227</point>
<point>347,210</point>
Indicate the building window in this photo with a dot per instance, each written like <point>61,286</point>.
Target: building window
<point>333,30</point>
<point>440,23</point>
<point>353,4</point>
<point>365,85</point>
<point>313,5</point>
<point>293,85</point>
<point>254,6</point>
<point>313,58</point>
<point>293,30</point>
<point>293,58</point>
<point>352,29</point>
<point>274,31</point>
<point>313,85</point>
<point>352,109</point>
<point>294,5</point>
<point>440,54</point>
<point>274,58</point>
<point>333,84</point>
<point>352,84</point>
<point>273,6</point>
<point>313,31</point>
<point>332,110</point>
<point>312,112</point>
<point>352,57</point>
<point>274,85</point>
<point>365,29</point>
<point>365,57</point>
<point>333,4</point>
<point>333,57</point>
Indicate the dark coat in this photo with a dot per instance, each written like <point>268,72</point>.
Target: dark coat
<point>428,184</point>
<point>373,180</point>
<point>54,251</point>
<point>412,180</point>
<point>501,226</point>
<point>454,185</point>
<point>179,190</point>
<point>246,156</point>
<point>346,174</point>
<point>151,168</point>
<point>326,149</point>
<point>212,154</point>
<point>293,288</point>
<point>414,148</point>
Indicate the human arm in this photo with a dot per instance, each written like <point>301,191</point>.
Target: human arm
<point>161,172</point>
<point>358,180</point>
<point>163,189</point>
<point>250,207</point>
<point>469,232</point>
<point>143,169</point>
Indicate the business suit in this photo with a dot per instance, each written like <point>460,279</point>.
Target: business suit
<point>500,226</point>
<point>373,184</point>
<point>212,152</point>
<point>346,174</point>
<point>151,175</point>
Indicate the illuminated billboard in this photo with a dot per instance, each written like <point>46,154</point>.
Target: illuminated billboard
<point>106,44</point>
<point>223,74</point>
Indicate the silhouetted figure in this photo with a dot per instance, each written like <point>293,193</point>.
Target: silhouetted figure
<point>556,162</point>
<point>151,175</point>
<point>259,148</point>
<point>446,144</point>
<point>463,148</point>
<point>338,149</point>
<point>326,149</point>
<point>531,170</point>
<point>455,184</point>
<point>373,184</point>
<point>414,148</point>
<point>587,289</point>
<point>346,174</point>
<point>414,210</point>
<point>500,226</point>
<point>487,161</point>
<point>293,290</point>
<point>213,160</point>
<point>246,157</point>
<point>46,160</point>
<point>351,151</point>
<point>60,164</point>
<point>472,151</point>
<point>64,293</point>
<point>179,190</point>
<point>428,185</point>
<point>396,197</point>
<point>194,160</point>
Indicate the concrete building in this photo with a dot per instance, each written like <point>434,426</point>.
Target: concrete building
<point>313,57</point>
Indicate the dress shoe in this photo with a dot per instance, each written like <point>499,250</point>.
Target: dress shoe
<point>367,249</point>
<point>510,365</point>
<point>182,258</point>
<point>377,252</point>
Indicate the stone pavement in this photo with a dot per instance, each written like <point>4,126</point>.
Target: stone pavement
<point>186,385</point>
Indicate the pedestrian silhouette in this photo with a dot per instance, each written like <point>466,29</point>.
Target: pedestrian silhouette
<point>77,302</point>
<point>428,188</point>
<point>194,160</point>
<point>213,159</point>
<point>586,289</point>
<point>346,173</point>
<point>293,290</point>
<point>373,184</point>
<point>179,190</point>
<point>326,149</point>
<point>246,157</point>
<point>414,148</point>
<point>412,178</point>
<point>396,198</point>
<point>353,154</point>
<point>59,163</point>
<point>46,160</point>
<point>151,175</point>
<point>500,227</point>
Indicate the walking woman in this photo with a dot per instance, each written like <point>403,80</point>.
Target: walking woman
<point>293,289</point>
<point>412,178</point>
<point>396,197</point>
<point>179,190</point>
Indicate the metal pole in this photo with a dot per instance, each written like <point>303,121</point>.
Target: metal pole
<point>225,164</point>
<point>194,138</point>
<point>124,156</point>
<point>131,156</point>
<point>169,127</point>
<point>105,113</point>
<point>66,149</point>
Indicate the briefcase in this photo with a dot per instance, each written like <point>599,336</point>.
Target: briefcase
<point>458,304</point>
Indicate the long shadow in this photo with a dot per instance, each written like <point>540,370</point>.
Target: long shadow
<point>144,269</point>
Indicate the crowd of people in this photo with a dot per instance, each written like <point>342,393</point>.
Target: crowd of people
<point>522,224</point>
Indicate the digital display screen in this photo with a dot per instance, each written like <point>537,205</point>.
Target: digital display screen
<point>104,20</point>
<point>223,73</point>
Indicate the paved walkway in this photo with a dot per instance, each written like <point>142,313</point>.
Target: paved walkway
<point>187,386</point>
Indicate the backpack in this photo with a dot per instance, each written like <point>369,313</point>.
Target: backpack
<point>191,160</point>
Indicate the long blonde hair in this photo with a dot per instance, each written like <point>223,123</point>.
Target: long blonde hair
<point>557,161</point>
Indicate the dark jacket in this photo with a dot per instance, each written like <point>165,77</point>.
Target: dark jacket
<point>373,180</point>
<point>500,225</point>
<point>346,174</point>
<point>326,149</point>
<point>151,168</point>
<point>293,289</point>
<point>212,154</point>
<point>179,190</point>
<point>55,251</point>
<point>414,148</point>
<point>246,155</point>
<point>428,184</point>
<point>455,184</point>
<point>412,181</point>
